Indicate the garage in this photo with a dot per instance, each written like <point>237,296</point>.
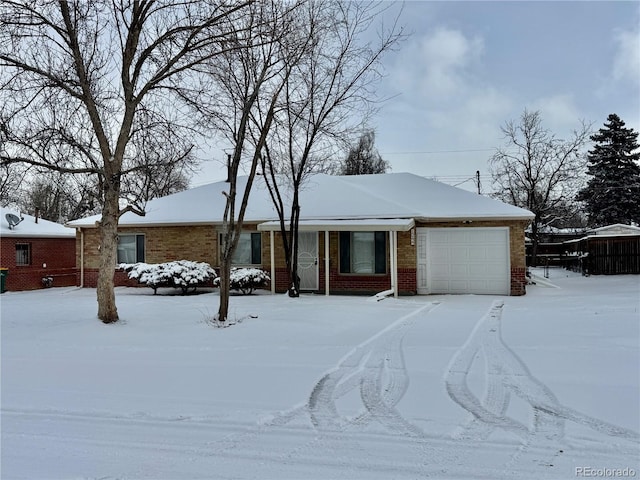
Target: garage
<point>463,260</point>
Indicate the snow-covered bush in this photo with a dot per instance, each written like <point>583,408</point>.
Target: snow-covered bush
<point>183,274</point>
<point>246,280</point>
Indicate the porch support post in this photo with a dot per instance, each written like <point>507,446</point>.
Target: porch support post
<point>326,262</point>
<point>394,234</point>
<point>392,266</point>
<point>81,257</point>
<point>273,262</point>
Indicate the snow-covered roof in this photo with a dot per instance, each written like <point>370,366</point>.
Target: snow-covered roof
<point>29,228</point>
<point>615,229</point>
<point>327,197</point>
<point>548,229</point>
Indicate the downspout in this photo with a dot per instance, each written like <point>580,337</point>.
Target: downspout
<point>395,263</point>
<point>273,263</point>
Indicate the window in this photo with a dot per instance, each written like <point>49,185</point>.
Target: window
<point>249,249</point>
<point>23,254</point>
<point>363,252</point>
<point>130,248</point>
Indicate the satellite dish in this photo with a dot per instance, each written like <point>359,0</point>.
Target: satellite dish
<point>13,220</point>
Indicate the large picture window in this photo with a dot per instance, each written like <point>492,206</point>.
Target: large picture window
<point>249,249</point>
<point>23,254</point>
<point>130,248</point>
<point>363,252</point>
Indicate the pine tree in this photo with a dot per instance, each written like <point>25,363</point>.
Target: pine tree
<point>612,194</point>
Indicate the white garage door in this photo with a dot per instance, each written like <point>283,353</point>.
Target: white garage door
<point>463,260</point>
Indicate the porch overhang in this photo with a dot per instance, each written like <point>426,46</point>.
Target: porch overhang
<point>391,225</point>
<point>346,225</point>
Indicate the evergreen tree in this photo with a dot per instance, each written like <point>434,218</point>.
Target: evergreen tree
<point>612,194</point>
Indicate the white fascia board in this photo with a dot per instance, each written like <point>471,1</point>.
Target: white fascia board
<point>480,218</point>
<point>355,225</point>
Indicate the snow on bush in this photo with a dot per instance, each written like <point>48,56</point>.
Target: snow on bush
<point>183,274</point>
<point>246,280</point>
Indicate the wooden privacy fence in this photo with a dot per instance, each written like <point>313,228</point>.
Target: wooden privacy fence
<point>609,255</point>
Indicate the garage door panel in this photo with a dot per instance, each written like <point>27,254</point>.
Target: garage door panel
<point>463,260</point>
<point>478,270</point>
<point>493,271</point>
<point>459,253</point>
<point>477,252</point>
<point>495,254</point>
<point>439,286</point>
<point>439,238</point>
<point>457,270</point>
<point>440,270</point>
<point>494,237</point>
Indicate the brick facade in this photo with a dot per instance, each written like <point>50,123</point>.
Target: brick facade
<point>49,257</point>
<point>200,243</point>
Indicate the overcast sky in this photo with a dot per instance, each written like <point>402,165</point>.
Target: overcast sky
<point>468,67</point>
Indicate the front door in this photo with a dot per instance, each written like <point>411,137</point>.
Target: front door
<point>308,260</point>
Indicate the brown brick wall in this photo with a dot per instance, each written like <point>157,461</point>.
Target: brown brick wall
<point>200,243</point>
<point>162,244</point>
<point>57,253</point>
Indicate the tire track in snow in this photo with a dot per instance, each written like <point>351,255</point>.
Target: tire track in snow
<point>377,366</point>
<point>183,449</point>
<point>507,374</point>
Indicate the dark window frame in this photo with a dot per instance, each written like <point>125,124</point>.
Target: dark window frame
<point>380,253</point>
<point>140,241</point>
<point>20,256</point>
<point>256,249</point>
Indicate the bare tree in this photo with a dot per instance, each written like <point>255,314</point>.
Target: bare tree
<point>247,83</point>
<point>329,94</point>
<point>11,183</point>
<point>364,158</point>
<point>75,77</point>
<point>537,171</point>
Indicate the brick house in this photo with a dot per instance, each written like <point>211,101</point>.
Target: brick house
<point>358,234</point>
<point>34,249</point>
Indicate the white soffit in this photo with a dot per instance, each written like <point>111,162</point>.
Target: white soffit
<point>356,225</point>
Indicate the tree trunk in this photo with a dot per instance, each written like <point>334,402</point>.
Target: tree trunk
<point>534,243</point>
<point>294,278</point>
<point>225,273</point>
<point>107,311</point>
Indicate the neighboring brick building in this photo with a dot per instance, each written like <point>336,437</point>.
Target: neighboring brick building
<point>35,249</point>
<point>397,232</point>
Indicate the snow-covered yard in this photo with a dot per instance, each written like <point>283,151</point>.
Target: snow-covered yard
<point>455,387</point>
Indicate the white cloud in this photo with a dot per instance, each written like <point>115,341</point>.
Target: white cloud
<point>447,54</point>
<point>438,63</point>
<point>626,63</point>
<point>559,113</point>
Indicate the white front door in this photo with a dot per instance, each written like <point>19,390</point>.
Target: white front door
<point>308,260</point>
<point>463,260</point>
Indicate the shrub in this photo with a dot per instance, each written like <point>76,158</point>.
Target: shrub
<point>183,274</point>
<point>246,280</point>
